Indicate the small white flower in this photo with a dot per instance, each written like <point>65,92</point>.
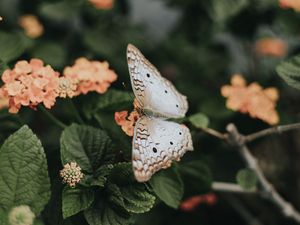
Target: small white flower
<point>71,174</point>
<point>21,215</point>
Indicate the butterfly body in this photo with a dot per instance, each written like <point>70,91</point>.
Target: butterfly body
<point>156,141</point>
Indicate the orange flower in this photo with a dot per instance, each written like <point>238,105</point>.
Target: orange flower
<point>293,4</point>
<point>258,102</point>
<point>102,4</point>
<point>91,76</point>
<point>31,25</point>
<point>3,100</point>
<point>126,122</point>
<point>29,84</point>
<point>271,47</point>
<point>67,87</point>
<point>192,203</point>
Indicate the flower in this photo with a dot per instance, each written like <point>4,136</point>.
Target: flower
<point>271,46</point>
<point>21,215</point>
<point>31,25</point>
<point>293,4</point>
<point>253,99</point>
<point>192,203</point>
<point>126,122</point>
<point>102,4</point>
<point>3,100</point>
<point>67,87</point>
<point>91,75</point>
<point>29,84</point>
<point>71,174</point>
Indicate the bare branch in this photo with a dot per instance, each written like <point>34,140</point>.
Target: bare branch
<point>214,133</point>
<point>272,130</point>
<point>230,187</point>
<point>267,190</point>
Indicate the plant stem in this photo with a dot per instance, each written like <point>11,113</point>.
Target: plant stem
<point>75,111</point>
<point>214,133</point>
<point>230,187</point>
<point>51,117</point>
<point>272,130</point>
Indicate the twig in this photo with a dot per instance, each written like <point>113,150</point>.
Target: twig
<point>268,191</point>
<point>272,130</point>
<point>214,133</point>
<point>230,187</point>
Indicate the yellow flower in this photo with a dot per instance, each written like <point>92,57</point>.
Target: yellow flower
<point>67,87</point>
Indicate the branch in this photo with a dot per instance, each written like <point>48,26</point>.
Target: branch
<point>230,187</point>
<point>272,130</point>
<point>214,133</point>
<point>268,191</point>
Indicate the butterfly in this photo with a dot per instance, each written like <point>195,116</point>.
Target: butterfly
<point>156,141</point>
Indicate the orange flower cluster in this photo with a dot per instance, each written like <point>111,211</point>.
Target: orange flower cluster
<point>126,122</point>
<point>3,100</point>
<point>32,83</point>
<point>271,47</point>
<point>91,76</point>
<point>102,4</point>
<point>253,99</point>
<point>29,84</point>
<point>31,25</point>
<point>293,4</point>
<point>192,203</point>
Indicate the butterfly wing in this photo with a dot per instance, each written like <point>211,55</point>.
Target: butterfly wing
<point>156,143</point>
<point>153,92</point>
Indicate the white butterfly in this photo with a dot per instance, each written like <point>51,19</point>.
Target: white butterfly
<point>156,142</point>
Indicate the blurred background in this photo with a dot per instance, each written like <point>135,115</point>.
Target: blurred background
<point>196,44</point>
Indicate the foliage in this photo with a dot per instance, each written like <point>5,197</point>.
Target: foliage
<point>197,45</point>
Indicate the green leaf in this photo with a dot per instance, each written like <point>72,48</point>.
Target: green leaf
<point>88,146</point>
<point>246,178</point>
<point>112,101</point>
<point>196,176</point>
<point>11,46</point>
<point>199,120</point>
<point>75,200</point>
<point>122,174</point>
<point>135,196</point>
<point>101,175</point>
<point>289,71</point>
<point>51,53</point>
<point>137,199</point>
<point>223,10</point>
<point>106,215</point>
<point>60,11</point>
<point>23,172</point>
<point>3,67</point>
<point>168,186</point>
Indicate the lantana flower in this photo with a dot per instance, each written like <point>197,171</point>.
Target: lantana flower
<point>67,87</point>
<point>293,4</point>
<point>29,84</point>
<point>192,203</point>
<point>31,25</point>
<point>271,47</point>
<point>21,215</point>
<point>102,4</point>
<point>126,122</point>
<point>91,75</point>
<point>3,100</point>
<point>71,174</point>
<point>253,99</point>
